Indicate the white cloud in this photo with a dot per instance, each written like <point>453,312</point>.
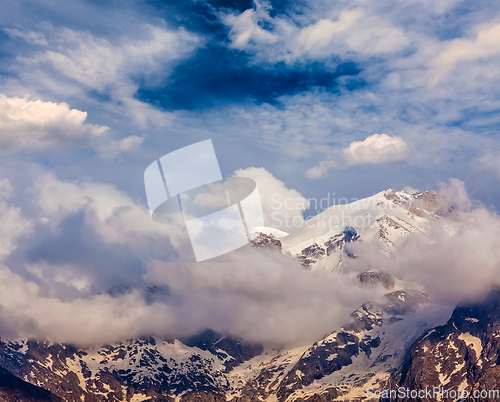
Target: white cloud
<point>6,188</point>
<point>34,38</point>
<point>485,45</point>
<point>282,207</point>
<point>96,63</point>
<point>12,223</point>
<point>245,27</point>
<point>112,214</point>
<point>379,148</point>
<point>66,274</point>
<point>33,314</point>
<point>353,31</point>
<point>262,296</point>
<point>376,149</point>
<point>114,148</point>
<point>77,61</point>
<point>349,30</point>
<point>462,262</point>
<point>489,161</point>
<point>321,33</point>
<point>38,124</point>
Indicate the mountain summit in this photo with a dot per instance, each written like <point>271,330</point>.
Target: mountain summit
<point>399,339</point>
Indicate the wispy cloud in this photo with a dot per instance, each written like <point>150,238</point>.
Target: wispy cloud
<point>485,45</point>
<point>353,30</point>
<point>90,63</point>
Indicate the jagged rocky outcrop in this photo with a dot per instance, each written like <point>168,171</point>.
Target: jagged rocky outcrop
<point>147,368</point>
<point>399,340</point>
<point>372,278</point>
<point>463,354</point>
<point>210,366</point>
<point>337,243</point>
<point>388,343</point>
<point>261,240</point>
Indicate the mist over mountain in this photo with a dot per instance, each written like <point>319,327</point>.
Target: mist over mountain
<point>371,131</point>
<point>335,307</point>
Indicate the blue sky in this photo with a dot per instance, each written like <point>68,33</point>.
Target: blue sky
<point>279,85</point>
<point>347,98</point>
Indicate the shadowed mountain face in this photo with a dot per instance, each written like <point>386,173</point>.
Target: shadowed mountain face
<point>13,388</point>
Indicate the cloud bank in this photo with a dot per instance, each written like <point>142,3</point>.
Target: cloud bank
<point>53,281</point>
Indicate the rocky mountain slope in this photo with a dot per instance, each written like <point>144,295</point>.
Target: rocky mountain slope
<point>398,340</point>
<point>13,388</point>
<point>211,365</point>
<point>461,355</point>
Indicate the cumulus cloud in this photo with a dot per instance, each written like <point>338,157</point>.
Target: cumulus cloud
<point>379,148</point>
<point>28,124</point>
<point>37,124</point>
<point>245,27</point>
<point>489,161</point>
<point>376,149</point>
<point>455,261</point>
<point>105,317</point>
<point>354,30</point>
<point>282,207</point>
<point>462,262</point>
<point>111,213</point>
<point>262,296</point>
<point>93,230</point>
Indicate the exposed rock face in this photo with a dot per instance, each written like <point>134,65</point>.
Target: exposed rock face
<point>340,364</point>
<point>372,278</point>
<point>148,368</point>
<point>211,367</point>
<point>224,346</point>
<point>337,243</point>
<point>461,355</point>
<point>398,340</point>
<point>419,203</point>
<point>13,388</point>
<point>311,255</point>
<point>386,345</point>
<point>262,240</point>
<point>382,221</point>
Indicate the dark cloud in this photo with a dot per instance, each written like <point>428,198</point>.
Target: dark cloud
<point>75,244</point>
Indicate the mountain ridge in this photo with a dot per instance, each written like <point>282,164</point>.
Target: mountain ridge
<point>373,349</point>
